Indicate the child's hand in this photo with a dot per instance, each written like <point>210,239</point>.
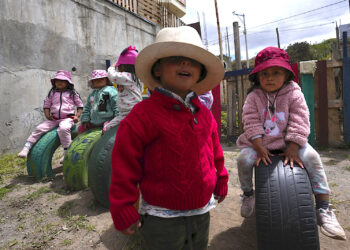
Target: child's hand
<point>292,155</point>
<point>49,117</point>
<point>75,119</point>
<point>219,198</point>
<point>262,153</point>
<point>131,230</point>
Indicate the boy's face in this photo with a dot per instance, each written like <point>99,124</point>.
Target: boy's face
<point>178,74</point>
<point>99,83</point>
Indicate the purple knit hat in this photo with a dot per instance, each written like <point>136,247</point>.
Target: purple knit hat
<point>128,56</point>
<point>269,57</point>
<point>62,75</point>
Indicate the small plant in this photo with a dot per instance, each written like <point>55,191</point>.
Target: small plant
<point>67,242</point>
<point>38,193</point>
<point>5,190</point>
<point>64,210</point>
<point>347,168</point>
<point>78,222</point>
<point>330,163</point>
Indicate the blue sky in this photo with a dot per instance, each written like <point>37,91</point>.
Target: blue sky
<point>299,20</point>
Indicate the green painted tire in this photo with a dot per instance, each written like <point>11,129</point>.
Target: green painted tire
<point>75,171</point>
<point>40,156</point>
<point>99,167</point>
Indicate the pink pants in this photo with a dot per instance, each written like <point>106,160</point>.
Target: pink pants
<point>63,131</point>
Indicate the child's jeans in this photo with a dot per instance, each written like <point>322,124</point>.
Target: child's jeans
<point>63,131</point>
<point>307,154</point>
<point>185,233</point>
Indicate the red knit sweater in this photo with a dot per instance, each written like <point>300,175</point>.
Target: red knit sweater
<point>173,155</point>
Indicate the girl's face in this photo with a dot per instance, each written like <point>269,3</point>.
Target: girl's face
<point>60,84</point>
<point>272,79</point>
<point>178,74</point>
<point>99,83</point>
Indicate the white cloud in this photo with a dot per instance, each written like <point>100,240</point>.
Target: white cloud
<point>310,21</point>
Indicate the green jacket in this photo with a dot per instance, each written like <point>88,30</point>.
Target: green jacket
<point>101,106</point>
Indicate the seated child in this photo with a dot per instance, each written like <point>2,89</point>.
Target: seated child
<point>168,147</point>
<point>276,117</point>
<point>59,110</point>
<point>101,105</point>
<point>129,86</point>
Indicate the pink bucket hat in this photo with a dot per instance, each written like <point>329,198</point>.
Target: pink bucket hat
<point>269,57</point>
<point>128,56</point>
<point>97,74</point>
<point>62,75</point>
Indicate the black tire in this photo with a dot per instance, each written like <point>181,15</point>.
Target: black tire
<point>99,167</point>
<point>285,211</point>
<point>39,160</point>
<point>75,170</point>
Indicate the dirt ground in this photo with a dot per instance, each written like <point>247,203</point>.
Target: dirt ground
<point>45,215</point>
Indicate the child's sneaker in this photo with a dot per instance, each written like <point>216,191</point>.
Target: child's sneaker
<point>329,223</point>
<point>248,204</point>
<point>23,153</point>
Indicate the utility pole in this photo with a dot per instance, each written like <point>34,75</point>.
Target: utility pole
<point>245,36</point>
<point>228,45</point>
<point>219,32</point>
<point>278,38</point>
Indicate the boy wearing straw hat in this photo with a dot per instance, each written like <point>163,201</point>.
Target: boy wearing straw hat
<point>168,146</point>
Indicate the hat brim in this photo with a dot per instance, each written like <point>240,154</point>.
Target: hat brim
<point>271,63</point>
<point>152,53</point>
<point>61,77</point>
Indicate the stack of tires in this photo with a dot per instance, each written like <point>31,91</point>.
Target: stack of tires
<point>87,162</point>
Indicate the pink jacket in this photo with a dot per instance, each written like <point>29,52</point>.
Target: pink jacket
<point>290,122</point>
<point>62,104</point>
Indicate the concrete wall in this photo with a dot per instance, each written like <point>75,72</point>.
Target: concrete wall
<point>39,37</point>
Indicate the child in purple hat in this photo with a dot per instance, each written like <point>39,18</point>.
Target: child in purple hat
<point>101,105</point>
<point>276,117</point>
<point>59,110</point>
<point>129,86</point>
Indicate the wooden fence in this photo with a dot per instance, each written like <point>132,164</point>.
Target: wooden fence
<point>328,111</point>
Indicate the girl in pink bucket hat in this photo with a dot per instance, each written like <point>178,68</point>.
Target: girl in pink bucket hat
<point>129,86</point>
<point>59,109</point>
<point>101,105</point>
<point>167,148</point>
<point>276,117</point>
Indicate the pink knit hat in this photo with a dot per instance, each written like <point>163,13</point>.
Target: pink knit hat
<point>62,75</point>
<point>128,56</point>
<point>269,57</point>
<point>97,74</point>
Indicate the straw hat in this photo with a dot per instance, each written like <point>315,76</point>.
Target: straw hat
<point>181,41</point>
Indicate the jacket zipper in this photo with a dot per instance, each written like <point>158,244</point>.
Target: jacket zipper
<point>59,111</point>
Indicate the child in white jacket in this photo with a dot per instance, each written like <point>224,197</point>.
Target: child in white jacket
<point>129,86</point>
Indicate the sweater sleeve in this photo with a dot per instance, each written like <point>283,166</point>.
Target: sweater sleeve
<point>77,100</point>
<point>120,78</point>
<point>252,123</point>
<point>133,135</point>
<point>221,187</point>
<point>48,101</point>
<point>298,128</point>
<point>85,115</point>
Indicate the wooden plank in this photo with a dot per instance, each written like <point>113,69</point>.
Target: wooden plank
<point>230,110</point>
<point>334,64</point>
<point>321,73</point>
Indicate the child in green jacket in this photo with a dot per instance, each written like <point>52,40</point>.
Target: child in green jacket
<point>101,105</point>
